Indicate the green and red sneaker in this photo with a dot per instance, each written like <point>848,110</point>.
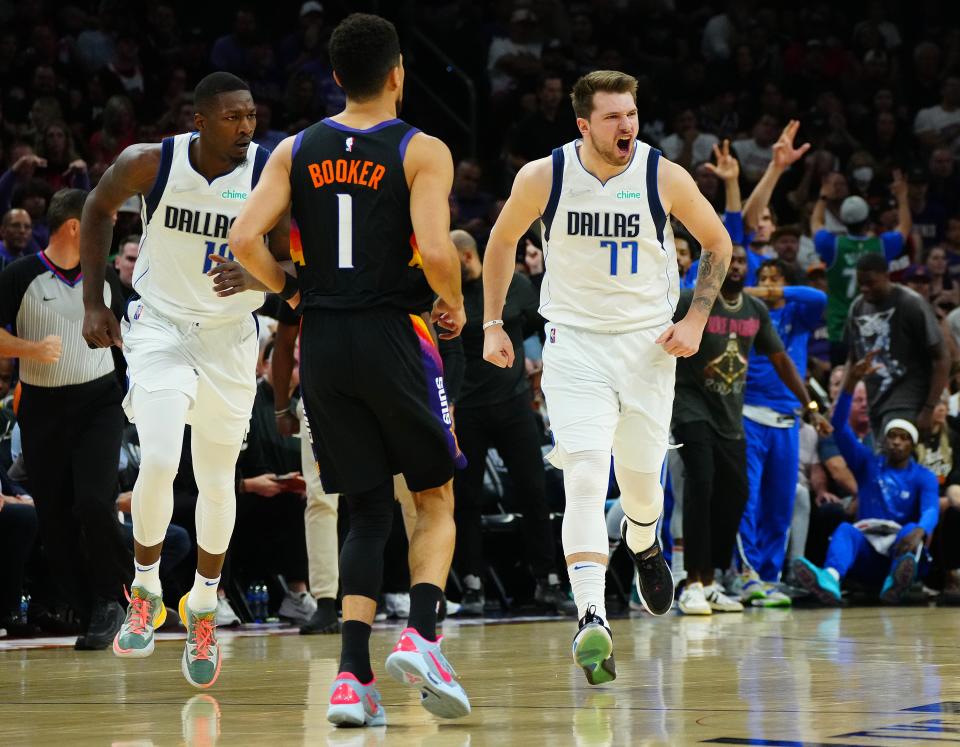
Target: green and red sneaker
<point>201,654</point>
<point>145,613</point>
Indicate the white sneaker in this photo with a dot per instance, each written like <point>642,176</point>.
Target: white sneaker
<point>398,605</point>
<point>298,607</point>
<point>693,601</point>
<point>720,602</point>
<point>226,617</point>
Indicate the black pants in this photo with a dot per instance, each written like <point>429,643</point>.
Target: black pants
<point>511,428</point>
<point>71,449</point>
<point>714,495</point>
<point>18,530</point>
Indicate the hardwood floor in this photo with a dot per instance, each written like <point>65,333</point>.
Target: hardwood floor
<point>857,676</point>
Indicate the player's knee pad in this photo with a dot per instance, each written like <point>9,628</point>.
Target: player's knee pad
<point>214,468</point>
<point>641,495</point>
<point>361,558</point>
<point>586,478</point>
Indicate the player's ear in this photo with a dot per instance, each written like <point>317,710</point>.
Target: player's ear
<point>583,125</point>
<point>199,121</point>
<point>336,79</point>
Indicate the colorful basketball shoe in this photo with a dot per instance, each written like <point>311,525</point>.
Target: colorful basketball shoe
<point>654,580</point>
<point>145,613</point>
<point>353,703</point>
<point>593,649</point>
<point>902,575</point>
<point>818,582</point>
<point>417,662</point>
<point>201,653</point>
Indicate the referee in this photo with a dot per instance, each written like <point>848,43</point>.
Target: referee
<point>70,420</point>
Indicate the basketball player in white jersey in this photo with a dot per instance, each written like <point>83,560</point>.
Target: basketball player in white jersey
<point>191,346</point>
<point>609,293</point>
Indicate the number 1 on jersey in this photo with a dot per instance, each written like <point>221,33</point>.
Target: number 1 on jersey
<point>345,232</point>
<point>212,248</point>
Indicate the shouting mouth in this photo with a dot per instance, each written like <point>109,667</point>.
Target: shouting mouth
<point>623,146</point>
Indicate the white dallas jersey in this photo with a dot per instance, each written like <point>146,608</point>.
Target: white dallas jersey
<point>609,257</point>
<point>185,220</point>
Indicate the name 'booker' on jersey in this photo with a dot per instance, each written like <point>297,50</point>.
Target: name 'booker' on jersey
<point>611,264</point>
<point>186,219</point>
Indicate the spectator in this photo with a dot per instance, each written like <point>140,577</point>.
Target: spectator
<point>474,206</point>
<point>943,184</point>
<point>64,168</point>
<point>899,329</point>
<point>841,253</point>
<point>264,136</point>
<point>688,145</point>
<point>939,452</point>
<point>756,152</point>
<point>493,409</point>
<point>34,197</point>
<point>516,56</point>
<point>117,132</point>
<point>942,286</point>
<point>232,52</point>
<point>897,511</point>
<point>786,245</point>
<point>940,125</point>
<point>549,127</point>
<point>125,261</point>
<point>16,237</point>
<point>772,433</point>
<point>707,419</point>
<point>70,406</point>
<point>928,218</point>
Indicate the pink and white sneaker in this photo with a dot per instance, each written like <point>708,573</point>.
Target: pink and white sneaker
<point>353,703</point>
<point>417,662</point>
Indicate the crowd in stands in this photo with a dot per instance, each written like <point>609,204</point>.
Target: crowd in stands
<point>826,135</point>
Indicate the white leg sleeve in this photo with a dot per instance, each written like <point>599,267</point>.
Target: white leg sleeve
<point>586,476</point>
<point>214,466</point>
<point>160,418</point>
<point>641,496</point>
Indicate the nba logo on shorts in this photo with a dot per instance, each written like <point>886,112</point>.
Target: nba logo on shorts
<point>349,145</point>
<point>138,311</point>
<point>553,334</point>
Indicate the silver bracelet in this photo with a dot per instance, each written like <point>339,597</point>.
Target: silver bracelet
<point>491,323</point>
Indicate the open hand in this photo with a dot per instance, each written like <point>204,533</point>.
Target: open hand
<point>727,167</point>
<point>784,154</point>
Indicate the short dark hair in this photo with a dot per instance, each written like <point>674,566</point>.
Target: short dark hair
<point>215,84</point>
<point>364,48</point>
<point>872,262</point>
<point>600,81</point>
<point>64,205</point>
<point>791,230</point>
<point>778,264</point>
<point>133,238</point>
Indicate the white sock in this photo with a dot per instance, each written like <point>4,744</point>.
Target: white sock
<point>148,577</point>
<point>203,595</point>
<point>587,582</point>
<point>640,538</point>
<point>834,572</point>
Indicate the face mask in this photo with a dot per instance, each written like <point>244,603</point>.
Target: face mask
<point>863,175</point>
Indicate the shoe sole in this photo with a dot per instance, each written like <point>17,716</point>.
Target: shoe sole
<point>771,604</point>
<point>808,579</point>
<point>184,664</point>
<point>408,669</point>
<point>346,716</point>
<point>591,652</point>
<point>329,629</point>
<point>139,653</point>
<point>698,612</point>
<point>903,576</point>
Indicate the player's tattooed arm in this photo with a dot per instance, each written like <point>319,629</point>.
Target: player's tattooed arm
<point>713,270</point>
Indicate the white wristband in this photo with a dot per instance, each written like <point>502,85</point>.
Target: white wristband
<point>491,323</point>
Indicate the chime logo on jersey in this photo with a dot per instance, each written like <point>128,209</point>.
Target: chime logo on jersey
<point>349,145</point>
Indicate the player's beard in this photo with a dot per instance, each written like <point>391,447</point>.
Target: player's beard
<point>607,153</point>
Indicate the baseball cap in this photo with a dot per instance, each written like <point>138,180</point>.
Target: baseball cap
<point>854,210</point>
<point>904,425</point>
<point>311,6</point>
<point>916,272</point>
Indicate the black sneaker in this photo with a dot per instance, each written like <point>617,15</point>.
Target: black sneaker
<point>554,597</point>
<point>593,649</point>
<point>105,620</point>
<point>473,602</point>
<point>654,579</point>
<point>324,619</point>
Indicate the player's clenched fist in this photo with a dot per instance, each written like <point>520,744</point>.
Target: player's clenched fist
<point>497,347</point>
<point>682,339</point>
<point>48,349</point>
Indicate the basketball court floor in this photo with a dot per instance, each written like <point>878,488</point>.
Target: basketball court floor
<point>859,676</point>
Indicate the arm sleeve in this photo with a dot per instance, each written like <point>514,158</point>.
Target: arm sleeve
<point>892,244</point>
<point>853,452</point>
<point>733,222</point>
<point>826,245</point>
<point>929,501</point>
<point>811,303</point>
<point>767,340</point>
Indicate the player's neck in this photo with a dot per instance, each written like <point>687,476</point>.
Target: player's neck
<point>596,165</point>
<point>208,164</point>
<point>364,114</point>
<point>63,254</point>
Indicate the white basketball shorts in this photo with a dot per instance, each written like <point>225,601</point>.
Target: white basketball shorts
<point>609,392</point>
<point>215,366</point>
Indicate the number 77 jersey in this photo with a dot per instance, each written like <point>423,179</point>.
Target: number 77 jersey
<point>610,259</point>
<point>186,219</point>
<point>351,234</point>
